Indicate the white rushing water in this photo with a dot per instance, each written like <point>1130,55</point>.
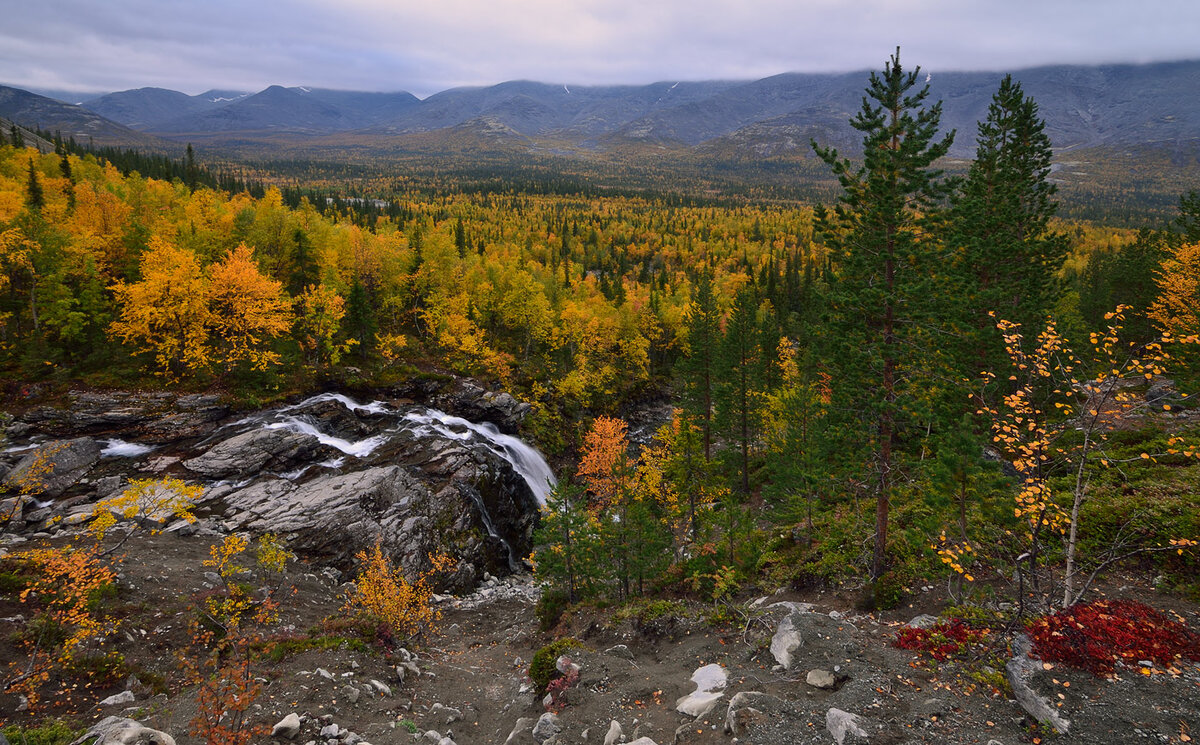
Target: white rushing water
<point>359,449</point>
<point>525,460</point>
<point>115,448</point>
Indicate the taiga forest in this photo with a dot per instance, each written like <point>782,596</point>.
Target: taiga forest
<point>878,370</point>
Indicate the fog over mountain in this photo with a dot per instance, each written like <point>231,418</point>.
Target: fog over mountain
<point>1084,106</point>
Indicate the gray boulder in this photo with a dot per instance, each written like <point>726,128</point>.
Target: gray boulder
<point>250,452</point>
<point>54,467</point>
<point>547,726</point>
<point>287,728</point>
<point>122,731</point>
<point>787,640</point>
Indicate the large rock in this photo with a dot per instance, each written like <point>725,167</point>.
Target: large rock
<point>1021,669</point>
<point>250,452</point>
<point>149,417</point>
<point>54,467</point>
<point>710,683</point>
<point>470,401</point>
<point>787,640</point>
<point>122,731</point>
<point>336,515</point>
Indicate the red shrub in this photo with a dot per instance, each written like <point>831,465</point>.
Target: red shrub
<point>1095,636</point>
<point>944,640</point>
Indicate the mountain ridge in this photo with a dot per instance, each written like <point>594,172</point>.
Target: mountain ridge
<point>1114,106</point>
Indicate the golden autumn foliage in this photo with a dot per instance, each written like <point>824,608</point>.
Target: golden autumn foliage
<point>1053,421</point>
<point>146,500</point>
<point>246,310</point>
<point>320,311</point>
<point>166,313</point>
<point>383,595</point>
<point>1177,308</point>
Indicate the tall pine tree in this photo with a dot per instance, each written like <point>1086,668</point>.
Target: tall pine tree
<point>882,236</point>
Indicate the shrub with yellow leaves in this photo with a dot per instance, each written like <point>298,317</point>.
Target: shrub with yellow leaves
<point>1054,420</point>
<point>383,595</point>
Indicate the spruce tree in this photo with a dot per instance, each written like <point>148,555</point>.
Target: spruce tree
<point>739,375</point>
<point>34,197</point>
<point>1001,224</point>
<point>696,370</point>
<point>882,238</point>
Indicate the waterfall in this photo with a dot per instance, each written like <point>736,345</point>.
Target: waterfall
<point>525,460</point>
<point>421,422</point>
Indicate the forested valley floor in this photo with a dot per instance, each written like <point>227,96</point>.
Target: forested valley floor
<point>931,395</point>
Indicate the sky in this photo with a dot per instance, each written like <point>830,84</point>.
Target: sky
<point>424,46</point>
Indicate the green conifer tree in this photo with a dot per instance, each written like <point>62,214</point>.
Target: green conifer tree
<point>1001,224</point>
<point>882,239</point>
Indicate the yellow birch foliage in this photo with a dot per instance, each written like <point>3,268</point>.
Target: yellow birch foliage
<point>320,311</point>
<point>381,593</point>
<point>166,313</point>
<point>153,500</point>
<point>1177,308</point>
<point>246,311</point>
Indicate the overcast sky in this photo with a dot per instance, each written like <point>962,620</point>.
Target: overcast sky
<point>424,46</point>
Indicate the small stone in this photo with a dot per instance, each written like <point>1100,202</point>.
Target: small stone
<point>432,735</point>
<point>330,731</point>
<point>821,679</point>
<point>287,728</point>
<point>923,621</point>
<point>382,687</point>
<point>351,694</point>
<point>124,697</point>
<point>439,711</point>
<point>547,726</point>
<point>324,673</point>
<point>614,734</point>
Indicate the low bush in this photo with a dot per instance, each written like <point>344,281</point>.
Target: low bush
<point>943,641</point>
<point>1095,636</point>
<point>542,669</point>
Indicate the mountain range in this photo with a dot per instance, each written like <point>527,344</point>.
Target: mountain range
<point>1114,106</point>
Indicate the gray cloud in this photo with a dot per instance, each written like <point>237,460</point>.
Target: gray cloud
<point>428,45</point>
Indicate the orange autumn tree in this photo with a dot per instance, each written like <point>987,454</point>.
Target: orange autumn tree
<point>166,313</point>
<point>605,465</point>
<point>246,311</point>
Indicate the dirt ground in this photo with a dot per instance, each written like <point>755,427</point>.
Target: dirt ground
<point>473,685</point>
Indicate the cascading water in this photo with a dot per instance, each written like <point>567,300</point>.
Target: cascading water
<point>420,423</point>
<point>525,460</point>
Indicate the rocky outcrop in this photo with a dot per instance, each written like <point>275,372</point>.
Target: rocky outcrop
<point>336,515</point>
<point>52,468</point>
<point>122,731</point>
<point>149,417</point>
<point>253,451</point>
<point>331,474</point>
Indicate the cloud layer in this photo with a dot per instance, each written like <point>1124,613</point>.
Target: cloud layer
<point>430,45</point>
